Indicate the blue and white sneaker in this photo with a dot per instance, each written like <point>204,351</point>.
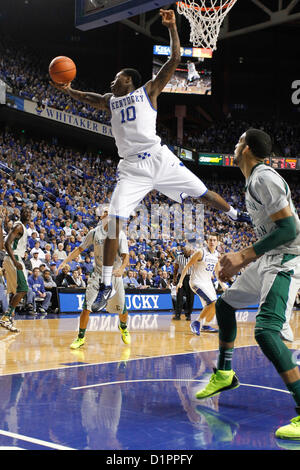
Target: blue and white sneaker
<point>209,329</point>
<point>195,327</point>
<point>105,292</point>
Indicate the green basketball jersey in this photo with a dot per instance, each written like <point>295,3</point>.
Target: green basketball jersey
<point>19,245</point>
<point>267,193</point>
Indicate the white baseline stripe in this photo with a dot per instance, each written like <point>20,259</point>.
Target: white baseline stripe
<point>170,380</point>
<point>134,381</point>
<point>34,441</point>
<point>266,388</point>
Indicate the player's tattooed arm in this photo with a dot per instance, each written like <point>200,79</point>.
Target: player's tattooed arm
<point>216,201</point>
<point>95,100</point>
<point>198,256</point>
<point>157,84</point>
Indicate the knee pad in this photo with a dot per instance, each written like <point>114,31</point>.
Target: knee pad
<point>274,349</point>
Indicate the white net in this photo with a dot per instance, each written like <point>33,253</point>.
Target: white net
<point>205,18</point>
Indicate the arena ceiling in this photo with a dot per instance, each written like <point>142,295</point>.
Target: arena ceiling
<point>57,17</point>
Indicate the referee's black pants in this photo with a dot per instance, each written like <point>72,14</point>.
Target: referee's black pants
<point>186,291</point>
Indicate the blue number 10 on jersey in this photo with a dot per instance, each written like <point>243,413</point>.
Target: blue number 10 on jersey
<point>128,114</point>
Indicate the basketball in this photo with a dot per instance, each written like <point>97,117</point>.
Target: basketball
<point>62,70</point>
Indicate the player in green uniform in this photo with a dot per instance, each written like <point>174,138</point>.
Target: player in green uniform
<point>15,271</point>
<point>117,303</point>
<point>271,277</point>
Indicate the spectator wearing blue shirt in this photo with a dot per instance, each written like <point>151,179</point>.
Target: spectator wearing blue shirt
<point>40,202</point>
<point>157,279</point>
<point>148,266</point>
<point>32,240</point>
<point>74,264</point>
<point>72,242</point>
<point>57,227</point>
<point>61,201</point>
<point>87,265</point>
<point>37,290</point>
<point>168,267</point>
<point>130,281</point>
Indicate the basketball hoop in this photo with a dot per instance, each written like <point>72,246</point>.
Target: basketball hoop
<point>205,18</point>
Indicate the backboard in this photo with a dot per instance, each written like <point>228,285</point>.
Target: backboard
<point>91,14</point>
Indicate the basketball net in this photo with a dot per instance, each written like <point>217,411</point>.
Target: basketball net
<point>205,18</point>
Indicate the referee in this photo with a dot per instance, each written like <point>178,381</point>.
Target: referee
<point>181,261</point>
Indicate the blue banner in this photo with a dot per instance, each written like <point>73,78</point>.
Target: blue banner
<point>155,301</point>
<point>143,301</point>
<point>136,301</point>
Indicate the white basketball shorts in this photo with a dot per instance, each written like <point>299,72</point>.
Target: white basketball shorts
<point>162,171</point>
<point>206,291</point>
<point>115,304</point>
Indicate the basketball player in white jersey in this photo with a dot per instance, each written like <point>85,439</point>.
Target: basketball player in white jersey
<point>145,164</point>
<point>116,303</point>
<point>193,75</point>
<point>15,271</point>
<point>203,264</point>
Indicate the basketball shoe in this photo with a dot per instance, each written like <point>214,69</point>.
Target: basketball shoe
<point>8,323</point>
<point>290,431</point>
<point>125,335</point>
<point>209,329</point>
<point>220,381</point>
<point>77,343</point>
<point>104,293</point>
<point>195,327</point>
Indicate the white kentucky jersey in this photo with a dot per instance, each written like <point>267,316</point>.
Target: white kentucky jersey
<point>192,72</point>
<point>96,238</point>
<point>19,245</point>
<point>133,122</point>
<point>204,269</point>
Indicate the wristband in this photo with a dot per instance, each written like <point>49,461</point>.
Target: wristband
<point>232,213</point>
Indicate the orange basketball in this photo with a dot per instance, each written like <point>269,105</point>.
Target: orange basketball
<point>62,70</point>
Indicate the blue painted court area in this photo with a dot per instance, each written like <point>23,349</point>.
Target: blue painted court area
<point>145,404</point>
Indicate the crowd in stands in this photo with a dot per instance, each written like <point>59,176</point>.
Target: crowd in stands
<point>68,191</point>
<point>26,72</point>
<point>222,136</point>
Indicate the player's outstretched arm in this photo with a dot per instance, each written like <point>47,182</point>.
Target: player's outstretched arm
<point>76,252</point>
<point>157,84</point>
<point>93,99</point>
<point>216,201</point>
<point>196,257</point>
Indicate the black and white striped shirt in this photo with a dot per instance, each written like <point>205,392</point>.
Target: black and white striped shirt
<point>182,261</point>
